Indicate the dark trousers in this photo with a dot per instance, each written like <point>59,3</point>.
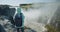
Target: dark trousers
<point>20,29</point>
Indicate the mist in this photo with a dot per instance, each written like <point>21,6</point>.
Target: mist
<point>39,16</point>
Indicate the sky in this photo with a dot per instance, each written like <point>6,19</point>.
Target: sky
<point>17,2</point>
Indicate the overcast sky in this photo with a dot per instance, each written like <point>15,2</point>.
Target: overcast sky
<point>17,2</point>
